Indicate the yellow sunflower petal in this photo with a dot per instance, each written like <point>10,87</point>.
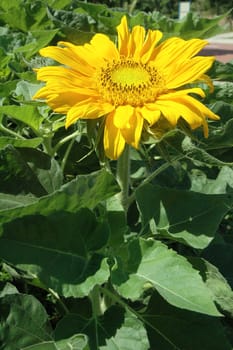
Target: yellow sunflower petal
<point>122,116</point>
<point>84,55</point>
<point>150,114</point>
<point>136,41</point>
<point>87,109</point>
<point>104,47</point>
<point>182,105</point>
<point>62,79</point>
<point>65,56</point>
<point>189,71</point>
<point>132,132</point>
<point>114,142</point>
<point>152,38</point>
<point>123,37</point>
<point>206,79</point>
<point>60,102</point>
<point>175,50</point>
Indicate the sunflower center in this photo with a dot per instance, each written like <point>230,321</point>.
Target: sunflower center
<point>129,82</point>
<point>130,76</point>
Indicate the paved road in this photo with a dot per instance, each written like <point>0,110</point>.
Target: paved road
<point>220,46</point>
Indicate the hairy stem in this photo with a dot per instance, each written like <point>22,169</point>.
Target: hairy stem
<point>123,174</point>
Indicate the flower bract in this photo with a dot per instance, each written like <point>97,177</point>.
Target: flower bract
<point>132,84</point>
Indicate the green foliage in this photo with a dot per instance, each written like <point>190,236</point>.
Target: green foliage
<point>76,272</point>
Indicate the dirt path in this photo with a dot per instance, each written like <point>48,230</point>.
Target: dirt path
<point>222,52</point>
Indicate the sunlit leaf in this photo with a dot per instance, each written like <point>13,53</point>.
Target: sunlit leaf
<point>76,342</point>
<point>131,335</point>
<point>26,114</point>
<point>183,216</point>
<point>217,284</point>
<point>84,191</point>
<point>152,264</point>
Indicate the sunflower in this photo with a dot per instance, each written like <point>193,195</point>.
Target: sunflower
<point>131,85</point>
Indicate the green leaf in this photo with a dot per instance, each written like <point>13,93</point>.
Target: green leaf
<point>222,184</point>
<point>26,114</point>
<point>60,250</point>
<point>131,335</point>
<point>25,91</point>
<point>152,264</point>
<point>84,191</point>
<point>38,40</point>
<point>224,138</point>
<point>8,289</point>
<point>46,169</point>
<point>16,176</point>
<point>42,346</point>
<point>188,217</point>
<point>98,329</point>
<point>200,156</point>
<point>217,284</point>
<point>170,328</point>
<point>30,143</point>
<point>8,201</point>
<point>23,322</point>
<point>220,254</point>
<point>76,342</point>
<point>22,15</point>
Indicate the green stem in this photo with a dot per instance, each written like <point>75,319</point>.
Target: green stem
<point>66,155</point>
<point>153,175</point>
<point>132,6</point>
<point>56,296</point>
<point>47,143</point>
<point>123,174</point>
<point>96,301</point>
<point>66,139</point>
<point>11,132</point>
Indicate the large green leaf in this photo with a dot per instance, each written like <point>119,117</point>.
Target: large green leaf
<point>98,329</point>
<point>152,264</point>
<point>24,322</point>
<point>8,201</point>
<point>184,216</point>
<point>131,335</point>
<point>170,328</point>
<point>38,40</point>
<point>84,191</point>
<point>222,184</point>
<point>27,114</point>
<point>60,250</point>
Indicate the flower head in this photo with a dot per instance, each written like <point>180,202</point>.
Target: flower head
<point>132,85</point>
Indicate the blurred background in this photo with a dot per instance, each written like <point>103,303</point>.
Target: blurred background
<point>171,7</point>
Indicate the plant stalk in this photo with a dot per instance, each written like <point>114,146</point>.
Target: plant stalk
<point>96,301</point>
<point>123,175</point>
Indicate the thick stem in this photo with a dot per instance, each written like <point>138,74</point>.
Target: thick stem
<point>123,174</point>
<point>96,301</point>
